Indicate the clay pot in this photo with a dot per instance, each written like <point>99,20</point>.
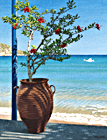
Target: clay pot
<point>35,103</point>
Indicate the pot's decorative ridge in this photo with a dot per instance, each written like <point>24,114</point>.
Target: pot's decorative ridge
<point>35,103</point>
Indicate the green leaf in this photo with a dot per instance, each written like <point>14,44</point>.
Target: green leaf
<point>43,13</point>
<point>52,10</point>
<point>23,64</point>
<point>15,6</point>
<point>27,4</point>
<point>47,10</point>
<point>34,46</point>
<point>23,16</point>
<point>85,28</point>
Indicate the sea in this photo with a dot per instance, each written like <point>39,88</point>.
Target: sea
<point>81,87</point>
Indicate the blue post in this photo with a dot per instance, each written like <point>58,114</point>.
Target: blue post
<point>14,67</point>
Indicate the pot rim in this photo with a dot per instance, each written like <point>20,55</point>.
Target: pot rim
<point>36,80</point>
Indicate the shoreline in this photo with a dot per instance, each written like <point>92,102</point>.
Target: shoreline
<point>69,54</point>
<point>78,118</point>
<point>8,117</point>
<point>11,55</point>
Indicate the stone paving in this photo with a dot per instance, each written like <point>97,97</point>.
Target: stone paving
<point>15,130</point>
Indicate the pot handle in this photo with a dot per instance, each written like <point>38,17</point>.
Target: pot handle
<point>14,89</point>
<point>54,88</point>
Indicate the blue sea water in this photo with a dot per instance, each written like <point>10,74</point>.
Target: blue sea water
<point>81,87</point>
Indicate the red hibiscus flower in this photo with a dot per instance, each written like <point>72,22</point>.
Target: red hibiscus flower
<point>26,9</point>
<point>33,51</point>
<point>57,31</point>
<point>97,26</point>
<point>15,26</point>
<point>41,20</point>
<point>64,45</point>
<point>79,29</point>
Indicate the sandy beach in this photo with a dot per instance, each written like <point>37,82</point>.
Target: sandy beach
<point>8,117</point>
<point>60,126</point>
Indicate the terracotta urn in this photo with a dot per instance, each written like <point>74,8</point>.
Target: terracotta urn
<point>35,103</point>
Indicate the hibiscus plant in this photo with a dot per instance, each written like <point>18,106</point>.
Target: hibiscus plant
<point>56,33</point>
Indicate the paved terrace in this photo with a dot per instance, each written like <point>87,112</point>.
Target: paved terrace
<point>14,130</point>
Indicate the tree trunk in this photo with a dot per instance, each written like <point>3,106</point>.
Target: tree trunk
<point>29,72</point>
<point>28,58</point>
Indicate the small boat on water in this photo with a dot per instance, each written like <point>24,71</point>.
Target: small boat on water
<point>89,60</point>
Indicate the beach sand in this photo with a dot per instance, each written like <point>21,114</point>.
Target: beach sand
<point>8,117</point>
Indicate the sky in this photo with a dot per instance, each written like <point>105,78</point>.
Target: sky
<point>94,42</point>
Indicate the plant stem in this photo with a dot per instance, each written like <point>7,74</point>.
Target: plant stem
<point>28,58</point>
<point>29,72</point>
<point>31,33</point>
<point>34,70</point>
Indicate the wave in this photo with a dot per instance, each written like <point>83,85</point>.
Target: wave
<point>73,118</point>
<point>80,118</point>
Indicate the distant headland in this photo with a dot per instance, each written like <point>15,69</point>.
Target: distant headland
<point>6,50</point>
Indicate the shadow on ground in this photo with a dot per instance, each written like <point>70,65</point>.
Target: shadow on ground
<point>53,131</point>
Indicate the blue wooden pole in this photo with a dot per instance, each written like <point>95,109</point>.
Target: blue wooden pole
<point>14,67</point>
